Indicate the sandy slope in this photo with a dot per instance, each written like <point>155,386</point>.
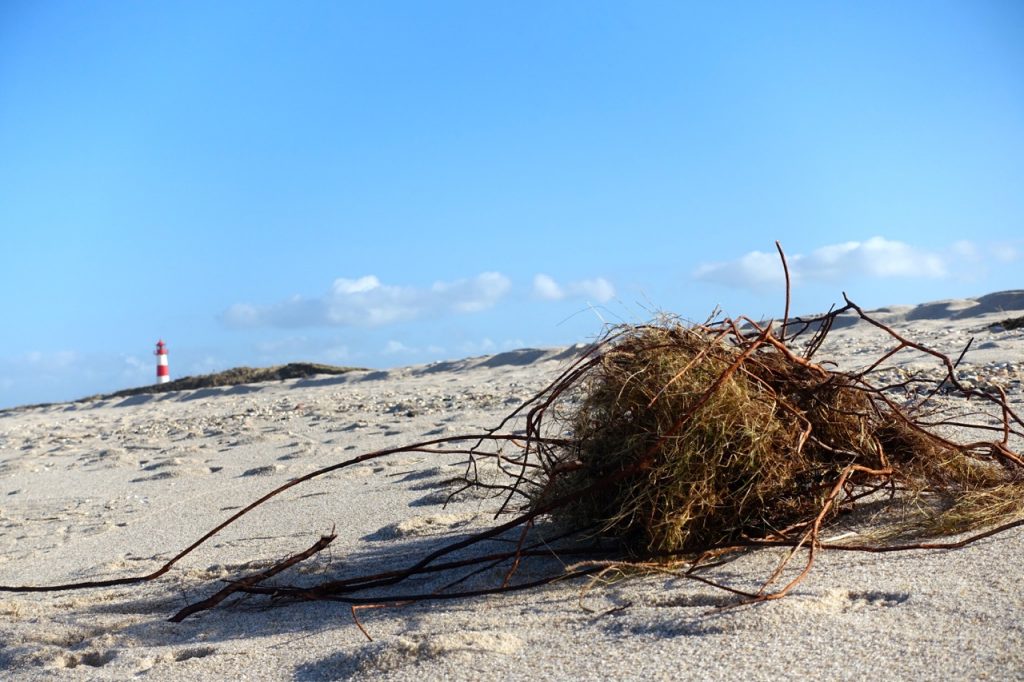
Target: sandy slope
<point>117,487</point>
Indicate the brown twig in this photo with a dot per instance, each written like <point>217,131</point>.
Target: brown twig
<point>785,270</point>
<point>251,581</point>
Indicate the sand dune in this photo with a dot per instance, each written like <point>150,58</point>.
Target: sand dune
<point>117,486</point>
<point>988,309</point>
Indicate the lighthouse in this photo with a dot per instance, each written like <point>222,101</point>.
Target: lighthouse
<point>163,372</point>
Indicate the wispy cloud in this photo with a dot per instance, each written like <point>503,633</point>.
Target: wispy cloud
<point>51,361</point>
<point>1008,252</point>
<point>966,251</point>
<point>487,345</point>
<point>291,348</point>
<point>877,257</point>
<point>394,347</point>
<point>43,376</point>
<point>367,302</point>
<point>599,289</point>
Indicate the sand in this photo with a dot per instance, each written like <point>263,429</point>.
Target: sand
<point>116,487</point>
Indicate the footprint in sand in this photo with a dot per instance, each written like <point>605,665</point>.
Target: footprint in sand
<point>179,656</point>
<point>107,458</point>
<point>192,652</point>
<point>173,468</point>
<point>417,648</point>
<point>263,470</point>
<point>838,600</point>
<point>93,659</point>
<point>431,524</point>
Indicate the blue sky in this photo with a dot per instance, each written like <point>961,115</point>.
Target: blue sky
<point>386,183</point>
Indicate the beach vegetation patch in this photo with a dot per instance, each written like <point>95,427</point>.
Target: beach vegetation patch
<point>1010,323</point>
<point>234,377</point>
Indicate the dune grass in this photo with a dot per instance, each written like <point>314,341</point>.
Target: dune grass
<point>1010,323</point>
<point>234,377</point>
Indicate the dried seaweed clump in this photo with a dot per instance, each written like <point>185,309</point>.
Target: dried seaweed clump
<point>690,438</point>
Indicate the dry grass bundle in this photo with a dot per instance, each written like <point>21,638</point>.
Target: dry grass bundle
<point>689,438</point>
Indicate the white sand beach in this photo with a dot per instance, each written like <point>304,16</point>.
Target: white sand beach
<point>116,487</point>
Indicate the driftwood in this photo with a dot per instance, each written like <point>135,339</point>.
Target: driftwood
<point>839,438</point>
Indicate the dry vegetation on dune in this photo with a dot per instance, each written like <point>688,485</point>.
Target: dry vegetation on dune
<point>675,444</point>
<point>230,377</point>
<point>236,376</point>
<point>1010,323</point>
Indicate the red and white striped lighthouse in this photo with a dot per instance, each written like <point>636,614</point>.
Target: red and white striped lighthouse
<point>163,372</point>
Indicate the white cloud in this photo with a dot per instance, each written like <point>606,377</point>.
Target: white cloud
<point>284,346</point>
<point>752,270</point>
<point>965,250</point>
<point>599,289</point>
<point>877,257</point>
<point>302,348</point>
<point>51,361</point>
<point>392,347</point>
<point>133,362</point>
<point>471,296</point>
<point>367,302</point>
<point>344,286</point>
<point>485,345</point>
<point>242,315</point>
<point>136,370</point>
<point>1006,252</point>
<point>337,353</point>
<point>547,288</point>
<point>45,376</point>
<point>488,346</point>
